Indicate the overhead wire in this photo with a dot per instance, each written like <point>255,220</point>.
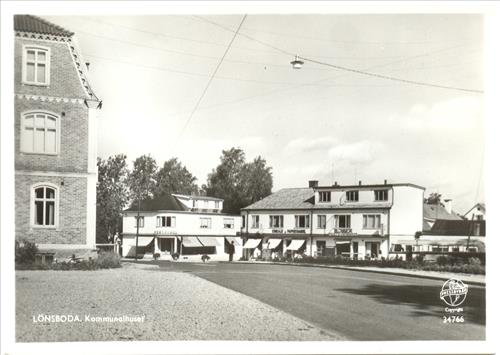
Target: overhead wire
<point>211,78</point>
<point>352,70</point>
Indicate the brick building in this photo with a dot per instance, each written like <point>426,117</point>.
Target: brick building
<point>55,139</point>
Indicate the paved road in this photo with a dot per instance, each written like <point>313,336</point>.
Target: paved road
<point>358,305</point>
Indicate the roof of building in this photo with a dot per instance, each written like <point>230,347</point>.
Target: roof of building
<point>198,197</point>
<point>35,24</point>
<point>368,186</point>
<point>480,206</point>
<point>438,212</point>
<point>456,228</point>
<point>162,203</point>
<point>290,198</point>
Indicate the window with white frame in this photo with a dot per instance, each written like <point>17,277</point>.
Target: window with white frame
<point>165,221</point>
<point>229,223</point>
<point>255,221</point>
<point>352,196</point>
<point>322,221</point>
<point>275,221</point>
<point>45,204</point>
<point>141,221</point>
<point>325,196</point>
<point>217,204</point>
<point>36,65</point>
<point>343,221</point>
<point>243,221</point>
<point>302,221</point>
<point>381,195</point>
<point>205,222</point>
<point>39,133</point>
<point>371,221</point>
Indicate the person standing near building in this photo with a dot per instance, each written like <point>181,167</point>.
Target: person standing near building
<point>231,251</point>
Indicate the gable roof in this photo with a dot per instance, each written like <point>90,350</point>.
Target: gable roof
<point>162,203</point>
<point>480,206</point>
<point>35,24</point>
<point>438,212</point>
<point>456,227</point>
<point>291,198</point>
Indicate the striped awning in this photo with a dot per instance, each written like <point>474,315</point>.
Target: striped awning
<point>209,241</point>
<point>237,241</point>
<point>272,243</point>
<point>191,242</point>
<point>296,244</point>
<point>252,243</point>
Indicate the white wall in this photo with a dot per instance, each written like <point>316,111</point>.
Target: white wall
<point>407,211</point>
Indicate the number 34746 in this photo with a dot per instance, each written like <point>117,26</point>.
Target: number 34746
<point>453,319</point>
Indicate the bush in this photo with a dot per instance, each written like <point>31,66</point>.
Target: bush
<point>106,260</point>
<point>25,252</point>
<point>442,260</point>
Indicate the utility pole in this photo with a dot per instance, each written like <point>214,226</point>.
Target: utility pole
<point>471,226</point>
<point>137,229</point>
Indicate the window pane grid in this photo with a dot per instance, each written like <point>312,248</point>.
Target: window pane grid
<point>44,206</point>
<point>39,134</point>
<point>36,66</point>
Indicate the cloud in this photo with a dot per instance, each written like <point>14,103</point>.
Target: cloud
<point>309,145</point>
<point>361,152</point>
<point>459,113</point>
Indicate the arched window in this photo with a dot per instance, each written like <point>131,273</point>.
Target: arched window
<point>36,65</point>
<point>44,206</point>
<point>39,133</point>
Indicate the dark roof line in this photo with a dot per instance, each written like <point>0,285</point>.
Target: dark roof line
<point>35,24</point>
<point>339,187</point>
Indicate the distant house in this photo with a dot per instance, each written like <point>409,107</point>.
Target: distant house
<point>55,139</point>
<point>433,212</point>
<point>477,212</point>
<point>189,226</point>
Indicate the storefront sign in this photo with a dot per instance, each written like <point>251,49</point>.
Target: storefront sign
<point>277,231</point>
<point>300,231</point>
<point>165,232</point>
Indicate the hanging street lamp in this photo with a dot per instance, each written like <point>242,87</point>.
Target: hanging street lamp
<point>297,63</point>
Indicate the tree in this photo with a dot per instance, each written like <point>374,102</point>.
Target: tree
<point>141,181</point>
<point>112,196</point>
<point>433,199</point>
<point>174,177</point>
<point>257,181</point>
<point>237,182</point>
<point>225,180</point>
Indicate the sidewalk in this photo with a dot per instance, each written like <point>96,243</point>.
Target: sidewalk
<point>479,280</point>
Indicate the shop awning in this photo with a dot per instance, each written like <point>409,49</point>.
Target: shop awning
<point>272,243</point>
<point>252,243</point>
<point>295,244</point>
<point>233,239</point>
<point>191,242</point>
<point>142,242</point>
<point>209,241</point>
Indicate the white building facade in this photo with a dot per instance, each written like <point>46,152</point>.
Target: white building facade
<point>181,226</point>
<point>356,221</point>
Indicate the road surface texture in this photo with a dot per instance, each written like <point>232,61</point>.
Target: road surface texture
<point>175,306</point>
<point>359,305</point>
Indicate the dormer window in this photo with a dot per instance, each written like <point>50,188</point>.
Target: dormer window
<point>325,196</point>
<point>352,196</point>
<point>381,195</point>
<point>36,65</point>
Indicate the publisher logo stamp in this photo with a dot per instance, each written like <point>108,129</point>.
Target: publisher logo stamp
<point>453,292</point>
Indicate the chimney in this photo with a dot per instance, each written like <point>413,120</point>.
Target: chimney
<point>447,205</point>
<point>385,182</point>
<point>359,182</point>
<point>87,64</point>
<point>313,183</point>
<point>335,184</point>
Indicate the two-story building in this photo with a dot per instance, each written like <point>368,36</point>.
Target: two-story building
<point>359,221</point>
<point>187,226</point>
<point>55,139</point>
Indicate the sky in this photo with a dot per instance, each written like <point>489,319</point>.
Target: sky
<point>316,123</point>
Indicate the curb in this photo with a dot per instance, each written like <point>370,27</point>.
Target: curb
<point>388,272</point>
